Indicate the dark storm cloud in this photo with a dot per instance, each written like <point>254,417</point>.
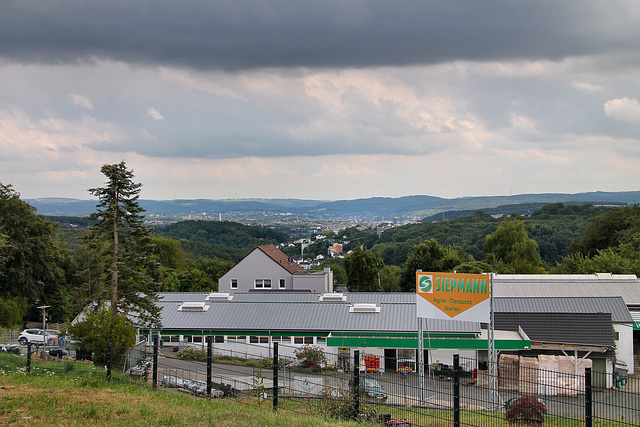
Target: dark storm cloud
<point>278,33</point>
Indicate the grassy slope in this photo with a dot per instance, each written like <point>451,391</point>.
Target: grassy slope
<point>53,401</point>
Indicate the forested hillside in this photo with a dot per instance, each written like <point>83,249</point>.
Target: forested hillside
<point>228,241</point>
<point>554,227</point>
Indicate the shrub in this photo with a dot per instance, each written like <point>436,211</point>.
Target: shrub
<point>192,353</point>
<point>311,356</point>
<point>525,408</point>
<point>338,403</point>
<point>102,327</point>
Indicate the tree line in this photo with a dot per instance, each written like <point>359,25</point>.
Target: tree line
<point>117,258</point>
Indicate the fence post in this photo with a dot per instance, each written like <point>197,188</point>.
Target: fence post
<point>28,358</point>
<point>109,360</point>
<point>456,390</point>
<point>275,376</point>
<point>588,398</point>
<point>356,383</point>
<point>156,343</point>
<point>209,363</point>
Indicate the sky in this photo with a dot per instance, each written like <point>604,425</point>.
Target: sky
<point>320,99</point>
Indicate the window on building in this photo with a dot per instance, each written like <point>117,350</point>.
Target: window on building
<point>258,340</point>
<point>234,283</point>
<point>303,340</point>
<point>321,340</point>
<point>263,283</point>
<point>282,283</point>
<point>236,338</point>
<point>218,339</point>
<point>282,339</point>
<point>170,338</point>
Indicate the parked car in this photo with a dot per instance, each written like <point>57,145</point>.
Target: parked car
<point>35,336</point>
<point>371,388</point>
<point>10,348</point>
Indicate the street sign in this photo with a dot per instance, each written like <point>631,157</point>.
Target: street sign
<point>453,296</point>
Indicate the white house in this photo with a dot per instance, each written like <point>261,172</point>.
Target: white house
<point>268,269</point>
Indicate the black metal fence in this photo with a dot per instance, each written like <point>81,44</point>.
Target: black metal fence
<point>354,385</point>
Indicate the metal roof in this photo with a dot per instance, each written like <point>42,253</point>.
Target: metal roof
<point>304,315</point>
<point>304,311</point>
<point>626,286</point>
<point>613,305</point>
<point>351,297</point>
<point>591,329</point>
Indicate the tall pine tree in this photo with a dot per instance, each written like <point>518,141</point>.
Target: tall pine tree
<point>122,246</point>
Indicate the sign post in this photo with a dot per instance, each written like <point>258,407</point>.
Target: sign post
<point>463,297</point>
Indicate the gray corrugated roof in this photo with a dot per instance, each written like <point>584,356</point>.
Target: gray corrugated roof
<point>352,297</point>
<point>593,329</point>
<point>304,316</point>
<point>568,285</point>
<point>183,296</point>
<point>613,305</point>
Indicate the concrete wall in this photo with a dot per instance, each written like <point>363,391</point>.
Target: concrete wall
<point>314,281</point>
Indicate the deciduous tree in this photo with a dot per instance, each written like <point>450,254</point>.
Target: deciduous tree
<point>31,265</point>
<point>510,250</point>
<point>363,268</point>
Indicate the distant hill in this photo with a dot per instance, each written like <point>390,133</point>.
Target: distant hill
<point>379,208</point>
<point>522,208</point>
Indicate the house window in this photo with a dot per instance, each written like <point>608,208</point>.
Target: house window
<point>303,340</point>
<point>238,338</point>
<point>616,335</point>
<point>321,340</point>
<point>218,339</point>
<point>282,283</point>
<point>281,339</point>
<point>258,340</point>
<point>234,283</point>
<point>263,284</point>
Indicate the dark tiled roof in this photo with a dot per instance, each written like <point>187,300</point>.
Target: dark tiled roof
<point>593,329</point>
<point>280,258</point>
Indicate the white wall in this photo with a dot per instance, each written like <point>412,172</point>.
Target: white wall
<point>256,265</point>
<point>624,345</point>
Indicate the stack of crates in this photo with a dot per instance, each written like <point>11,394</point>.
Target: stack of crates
<point>372,364</point>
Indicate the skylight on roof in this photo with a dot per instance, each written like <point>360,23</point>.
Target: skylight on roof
<point>333,296</point>
<point>364,308</point>
<point>219,296</point>
<point>193,306</point>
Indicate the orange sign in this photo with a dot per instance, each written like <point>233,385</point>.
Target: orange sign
<point>453,296</point>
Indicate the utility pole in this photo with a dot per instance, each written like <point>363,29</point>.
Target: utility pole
<point>44,331</point>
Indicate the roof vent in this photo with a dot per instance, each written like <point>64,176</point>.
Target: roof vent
<point>364,308</point>
<point>219,296</point>
<point>333,296</point>
<point>193,306</point>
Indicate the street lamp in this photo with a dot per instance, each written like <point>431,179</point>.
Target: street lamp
<point>44,331</point>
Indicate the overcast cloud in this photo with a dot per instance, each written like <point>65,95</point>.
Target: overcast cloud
<point>320,99</point>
